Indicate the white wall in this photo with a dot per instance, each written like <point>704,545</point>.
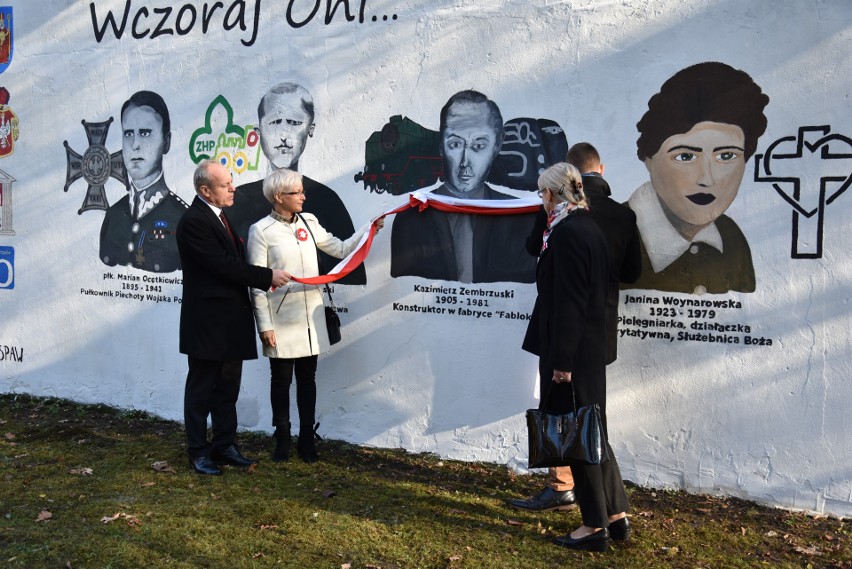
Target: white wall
<point>768,423</point>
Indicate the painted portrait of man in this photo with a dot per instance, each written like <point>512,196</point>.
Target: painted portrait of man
<point>139,229</point>
<point>462,247</point>
<point>695,140</point>
<point>286,121</point>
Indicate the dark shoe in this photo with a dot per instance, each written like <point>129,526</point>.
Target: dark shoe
<point>598,541</point>
<point>282,444</point>
<point>203,465</point>
<point>620,529</point>
<point>547,500</point>
<point>232,456</point>
<point>306,445</point>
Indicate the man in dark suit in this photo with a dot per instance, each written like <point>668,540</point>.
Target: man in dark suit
<point>139,229</point>
<point>462,247</point>
<point>216,318</point>
<point>618,224</point>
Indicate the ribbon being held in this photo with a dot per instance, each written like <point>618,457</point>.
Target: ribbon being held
<point>422,200</point>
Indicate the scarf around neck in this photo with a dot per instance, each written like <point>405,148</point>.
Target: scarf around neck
<point>557,215</point>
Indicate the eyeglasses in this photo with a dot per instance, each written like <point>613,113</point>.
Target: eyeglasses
<point>301,193</point>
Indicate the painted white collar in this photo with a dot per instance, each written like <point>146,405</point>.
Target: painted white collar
<point>662,241</point>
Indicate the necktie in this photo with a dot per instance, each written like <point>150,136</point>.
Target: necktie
<point>227,226</point>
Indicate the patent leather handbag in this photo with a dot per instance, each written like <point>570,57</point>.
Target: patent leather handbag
<point>564,439</point>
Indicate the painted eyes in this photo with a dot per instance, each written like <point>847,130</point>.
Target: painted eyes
<point>144,133</point>
<point>290,122</point>
<point>724,156</point>
<point>476,146</point>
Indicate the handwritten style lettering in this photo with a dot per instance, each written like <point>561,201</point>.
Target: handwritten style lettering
<point>168,20</point>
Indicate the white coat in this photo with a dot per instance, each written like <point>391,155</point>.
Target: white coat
<point>295,311</point>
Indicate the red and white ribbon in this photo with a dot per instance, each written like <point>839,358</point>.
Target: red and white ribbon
<point>422,200</point>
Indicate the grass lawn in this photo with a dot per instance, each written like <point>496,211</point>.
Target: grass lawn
<point>90,486</point>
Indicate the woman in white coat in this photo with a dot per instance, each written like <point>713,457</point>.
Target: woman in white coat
<point>291,319</point>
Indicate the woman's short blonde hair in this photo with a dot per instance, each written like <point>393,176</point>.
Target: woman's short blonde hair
<point>279,181</point>
<point>565,184</point>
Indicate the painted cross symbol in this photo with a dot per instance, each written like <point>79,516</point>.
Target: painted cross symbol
<point>96,165</point>
<point>809,171</point>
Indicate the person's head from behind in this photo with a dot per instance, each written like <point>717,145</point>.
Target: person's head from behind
<point>283,189</point>
<point>146,136</point>
<point>695,139</point>
<point>471,130</point>
<point>214,183</point>
<point>561,183</point>
<point>585,158</point>
<point>286,119</point>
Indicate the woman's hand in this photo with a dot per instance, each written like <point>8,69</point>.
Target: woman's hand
<point>561,376</point>
<point>267,338</point>
<point>379,224</point>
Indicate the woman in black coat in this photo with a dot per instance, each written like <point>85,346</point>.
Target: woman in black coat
<point>568,333</point>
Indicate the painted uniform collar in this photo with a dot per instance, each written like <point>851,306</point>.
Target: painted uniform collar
<point>149,197</point>
<point>662,241</point>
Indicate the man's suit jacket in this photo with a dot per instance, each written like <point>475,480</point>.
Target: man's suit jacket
<point>216,318</point>
<point>618,224</point>
<point>422,245</point>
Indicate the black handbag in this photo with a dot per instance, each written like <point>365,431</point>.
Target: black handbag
<point>561,440</point>
<point>332,320</point>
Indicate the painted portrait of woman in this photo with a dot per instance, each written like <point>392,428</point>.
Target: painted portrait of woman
<point>696,138</point>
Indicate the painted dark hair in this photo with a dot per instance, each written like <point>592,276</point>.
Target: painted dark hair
<point>470,96</point>
<point>709,91</point>
<point>153,100</point>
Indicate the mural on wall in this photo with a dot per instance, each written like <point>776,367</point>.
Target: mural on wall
<point>405,156</point>
<point>796,166</point>
<point>286,120</point>
<point>696,138</point>
<point>7,37</point>
<point>8,125</point>
<point>139,229</point>
<point>7,267</point>
<point>96,165</point>
<point>6,181</point>
<point>402,157</point>
<point>234,147</point>
<point>468,248</point>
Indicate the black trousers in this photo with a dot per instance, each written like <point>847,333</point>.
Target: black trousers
<point>598,489</point>
<point>212,388</point>
<point>306,390</point>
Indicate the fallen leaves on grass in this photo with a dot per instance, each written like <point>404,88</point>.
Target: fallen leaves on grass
<point>132,520</point>
<point>513,522</point>
<point>162,466</point>
<point>44,515</point>
<point>81,471</point>
<point>812,550</point>
<point>9,436</point>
